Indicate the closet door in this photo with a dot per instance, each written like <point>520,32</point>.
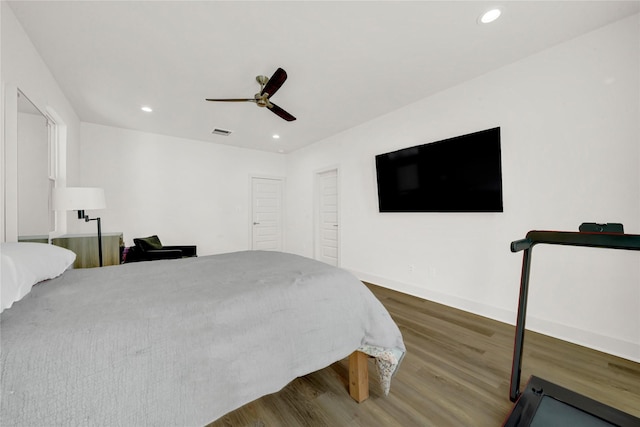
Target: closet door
<point>266,226</point>
<point>327,227</point>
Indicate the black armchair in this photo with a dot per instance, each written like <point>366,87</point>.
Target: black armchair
<point>151,249</point>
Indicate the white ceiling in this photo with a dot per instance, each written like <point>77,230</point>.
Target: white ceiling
<point>348,62</point>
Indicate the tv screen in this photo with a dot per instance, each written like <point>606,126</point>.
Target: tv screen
<point>460,174</point>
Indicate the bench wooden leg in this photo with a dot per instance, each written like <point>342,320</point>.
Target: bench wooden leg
<point>358,376</point>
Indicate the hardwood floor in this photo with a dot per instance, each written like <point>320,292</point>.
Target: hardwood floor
<point>455,373</point>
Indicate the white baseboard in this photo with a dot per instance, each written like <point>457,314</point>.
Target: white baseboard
<point>625,349</point>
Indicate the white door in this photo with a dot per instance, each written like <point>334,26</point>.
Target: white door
<point>327,233</point>
<point>266,226</point>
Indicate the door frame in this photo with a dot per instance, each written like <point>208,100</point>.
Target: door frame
<point>57,168</point>
<point>316,211</point>
<point>283,196</point>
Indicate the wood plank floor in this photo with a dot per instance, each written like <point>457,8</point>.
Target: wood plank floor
<point>456,373</point>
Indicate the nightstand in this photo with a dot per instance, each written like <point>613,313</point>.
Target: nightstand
<point>85,247</point>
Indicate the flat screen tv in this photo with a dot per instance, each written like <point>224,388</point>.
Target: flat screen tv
<point>460,174</point>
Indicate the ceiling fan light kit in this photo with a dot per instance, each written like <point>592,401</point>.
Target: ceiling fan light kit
<point>268,87</point>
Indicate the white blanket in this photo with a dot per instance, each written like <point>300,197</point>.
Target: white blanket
<point>180,342</point>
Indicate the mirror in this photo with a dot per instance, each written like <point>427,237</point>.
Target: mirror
<point>35,218</point>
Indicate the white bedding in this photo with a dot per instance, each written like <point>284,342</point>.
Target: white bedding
<point>180,342</point>
<point>23,264</point>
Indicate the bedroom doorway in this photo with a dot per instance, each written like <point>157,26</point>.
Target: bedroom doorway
<point>266,213</point>
<point>327,235</point>
<point>18,163</point>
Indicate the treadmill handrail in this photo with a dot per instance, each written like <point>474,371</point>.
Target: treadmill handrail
<point>595,240</point>
<point>588,239</point>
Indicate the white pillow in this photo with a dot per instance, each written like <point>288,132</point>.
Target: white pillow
<point>25,264</point>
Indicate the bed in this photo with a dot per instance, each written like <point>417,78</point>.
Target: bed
<point>178,342</point>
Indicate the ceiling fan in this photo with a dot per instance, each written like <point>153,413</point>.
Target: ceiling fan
<point>268,87</point>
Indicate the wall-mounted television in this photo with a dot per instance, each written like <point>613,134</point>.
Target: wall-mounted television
<point>460,174</point>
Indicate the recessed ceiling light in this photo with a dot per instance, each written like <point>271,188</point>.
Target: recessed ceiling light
<point>146,109</point>
<point>490,16</point>
<point>276,136</point>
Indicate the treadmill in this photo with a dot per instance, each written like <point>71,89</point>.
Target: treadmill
<point>543,403</point>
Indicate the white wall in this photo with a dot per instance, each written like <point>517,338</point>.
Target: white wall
<point>24,69</point>
<point>570,146</point>
<point>185,191</point>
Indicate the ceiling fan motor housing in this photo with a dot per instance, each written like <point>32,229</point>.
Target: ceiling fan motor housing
<point>262,100</point>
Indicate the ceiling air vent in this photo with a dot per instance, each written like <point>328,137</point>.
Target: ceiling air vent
<point>222,132</point>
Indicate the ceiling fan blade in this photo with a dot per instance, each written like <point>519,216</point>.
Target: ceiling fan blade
<point>232,100</point>
<point>280,112</point>
<point>274,82</point>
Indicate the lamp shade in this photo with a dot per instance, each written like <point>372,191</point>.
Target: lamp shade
<point>78,198</point>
